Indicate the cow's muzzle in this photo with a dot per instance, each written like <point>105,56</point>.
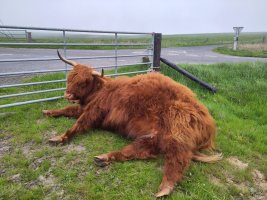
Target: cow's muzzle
<point>70,97</point>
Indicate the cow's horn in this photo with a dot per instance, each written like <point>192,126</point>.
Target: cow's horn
<point>65,60</point>
<point>96,73</point>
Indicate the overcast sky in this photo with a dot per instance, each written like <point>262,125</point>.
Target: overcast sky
<point>165,16</point>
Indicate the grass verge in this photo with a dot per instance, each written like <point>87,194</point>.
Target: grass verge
<point>32,169</point>
<point>241,52</point>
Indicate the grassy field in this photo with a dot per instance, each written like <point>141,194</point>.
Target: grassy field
<point>81,39</point>
<point>167,40</point>
<point>30,168</point>
<point>210,39</point>
<point>245,50</point>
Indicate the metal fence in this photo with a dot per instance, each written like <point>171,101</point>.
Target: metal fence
<point>13,34</point>
<point>116,41</point>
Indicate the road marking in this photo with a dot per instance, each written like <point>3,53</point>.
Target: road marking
<point>173,54</point>
<point>177,51</point>
<point>192,55</point>
<point>138,52</point>
<point>211,56</point>
<point>6,54</point>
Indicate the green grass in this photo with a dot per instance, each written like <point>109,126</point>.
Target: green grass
<point>211,39</point>
<point>177,40</point>
<point>244,53</point>
<point>68,171</point>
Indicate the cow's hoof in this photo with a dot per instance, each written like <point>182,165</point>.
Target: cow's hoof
<point>101,161</point>
<point>56,140</point>
<point>46,113</point>
<point>164,191</point>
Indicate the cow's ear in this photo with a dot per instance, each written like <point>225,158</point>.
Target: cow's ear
<point>88,78</point>
<point>99,80</point>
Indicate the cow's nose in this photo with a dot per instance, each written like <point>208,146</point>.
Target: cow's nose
<point>68,95</point>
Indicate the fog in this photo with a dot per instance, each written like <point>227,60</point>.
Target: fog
<point>167,17</point>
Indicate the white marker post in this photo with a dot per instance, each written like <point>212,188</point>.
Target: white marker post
<point>237,32</point>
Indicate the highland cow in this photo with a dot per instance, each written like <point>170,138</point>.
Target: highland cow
<point>159,114</point>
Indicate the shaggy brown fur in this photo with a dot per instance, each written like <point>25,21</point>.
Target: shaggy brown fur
<point>159,114</point>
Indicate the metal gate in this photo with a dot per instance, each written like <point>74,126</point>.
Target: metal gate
<point>19,63</point>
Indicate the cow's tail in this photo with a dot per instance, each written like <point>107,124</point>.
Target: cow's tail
<point>197,156</point>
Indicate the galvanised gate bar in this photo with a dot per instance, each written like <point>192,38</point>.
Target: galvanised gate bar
<point>151,46</point>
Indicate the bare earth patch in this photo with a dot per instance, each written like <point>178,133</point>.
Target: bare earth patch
<point>28,149</point>
<point>243,186</point>
<point>47,181</point>
<point>37,162</point>
<point>66,148</point>
<point>5,147</point>
<point>237,163</point>
<point>261,183</point>
<point>258,193</point>
<point>214,180</point>
<point>73,147</point>
<point>15,178</point>
<point>259,179</point>
<point>48,134</point>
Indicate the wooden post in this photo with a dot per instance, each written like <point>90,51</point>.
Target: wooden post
<point>157,51</point>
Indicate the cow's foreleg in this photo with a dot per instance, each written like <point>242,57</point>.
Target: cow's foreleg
<point>177,160</point>
<point>143,148</point>
<point>86,121</point>
<point>69,111</point>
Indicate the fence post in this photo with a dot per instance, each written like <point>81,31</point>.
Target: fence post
<point>263,39</point>
<point>29,37</point>
<point>116,53</point>
<point>156,51</point>
<point>65,51</point>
